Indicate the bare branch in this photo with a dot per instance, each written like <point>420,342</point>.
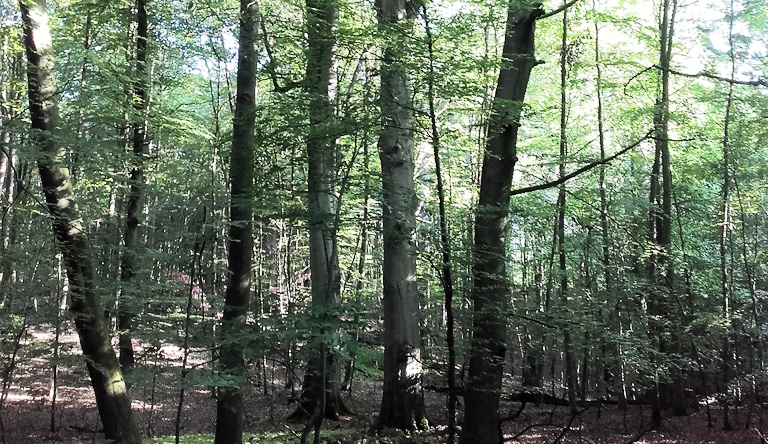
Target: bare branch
<point>558,10</point>
<point>758,82</point>
<point>581,170</point>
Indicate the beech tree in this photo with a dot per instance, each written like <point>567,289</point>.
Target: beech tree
<point>570,284</point>
<point>321,393</point>
<point>491,289</point>
<point>103,367</point>
<point>229,405</point>
<point>402,404</point>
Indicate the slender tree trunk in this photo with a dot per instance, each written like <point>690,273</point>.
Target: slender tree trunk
<point>665,233</point>
<point>402,405</point>
<point>229,405</point>
<point>570,364</point>
<point>482,392</point>
<point>612,360</point>
<point>103,367</point>
<point>133,213</point>
<point>350,370</point>
<point>445,241</point>
<point>725,370</point>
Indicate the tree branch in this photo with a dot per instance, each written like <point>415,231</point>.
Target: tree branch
<point>581,170</point>
<point>758,82</point>
<point>558,10</point>
<point>270,68</point>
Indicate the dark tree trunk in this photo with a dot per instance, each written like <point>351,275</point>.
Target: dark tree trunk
<point>482,392</point>
<point>446,276</point>
<point>103,367</point>
<point>229,405</point>
<point>664,234</point>
<point>133,213</point>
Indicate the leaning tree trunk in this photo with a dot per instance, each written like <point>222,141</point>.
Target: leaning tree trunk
<point>402,404</point>
<point>482,392</point>
<point>133,212</point>
<point>322,381</point>
<point>103,367</point>
<point>229,406</point>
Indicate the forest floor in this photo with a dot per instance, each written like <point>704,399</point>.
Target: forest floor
<point>26,413</point>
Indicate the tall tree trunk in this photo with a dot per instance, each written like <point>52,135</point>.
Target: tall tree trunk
<point>103,367</point>
<point>570,363</point>
<point>133,213</point>
<point>229,406</point>
<point>322,380</point>
<point>665,232</point>
<point>482,392</point>
<point>611,356</point>
<point>402,404</point>
<point>725,221</point>
<point>446,276</point>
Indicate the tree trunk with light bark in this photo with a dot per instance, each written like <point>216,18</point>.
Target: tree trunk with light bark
<point>402,405</point>
<point>322,381</point>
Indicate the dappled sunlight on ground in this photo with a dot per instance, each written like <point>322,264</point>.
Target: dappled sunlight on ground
<point>155,395</point>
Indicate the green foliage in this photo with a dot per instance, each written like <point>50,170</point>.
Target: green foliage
<point>369,362</point>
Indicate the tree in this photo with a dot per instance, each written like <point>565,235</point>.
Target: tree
<point>402,404</point>
<point>229,405</point>
<point>570,365</point>
<point>103,367</point>
<point>660,223</point>
<point>322,388</point>
<point>140,102</point>
<point>491,290</point>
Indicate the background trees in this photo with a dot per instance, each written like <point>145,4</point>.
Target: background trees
<point>665,284</point>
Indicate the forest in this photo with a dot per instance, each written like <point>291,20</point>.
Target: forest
<point>387,221</point>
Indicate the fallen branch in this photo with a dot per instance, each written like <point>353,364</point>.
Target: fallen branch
<point>568,426</point>
<point>515,415</point>
<point>637,438</point>
<point>527,428</point>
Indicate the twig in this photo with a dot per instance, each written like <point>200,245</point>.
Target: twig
<point>637,438</point>
<point>529,427</point>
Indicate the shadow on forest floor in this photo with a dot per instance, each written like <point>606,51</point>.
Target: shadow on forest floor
<point>27,413</point>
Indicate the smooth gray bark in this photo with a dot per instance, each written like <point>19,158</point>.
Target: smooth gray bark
<point>402,405</point>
